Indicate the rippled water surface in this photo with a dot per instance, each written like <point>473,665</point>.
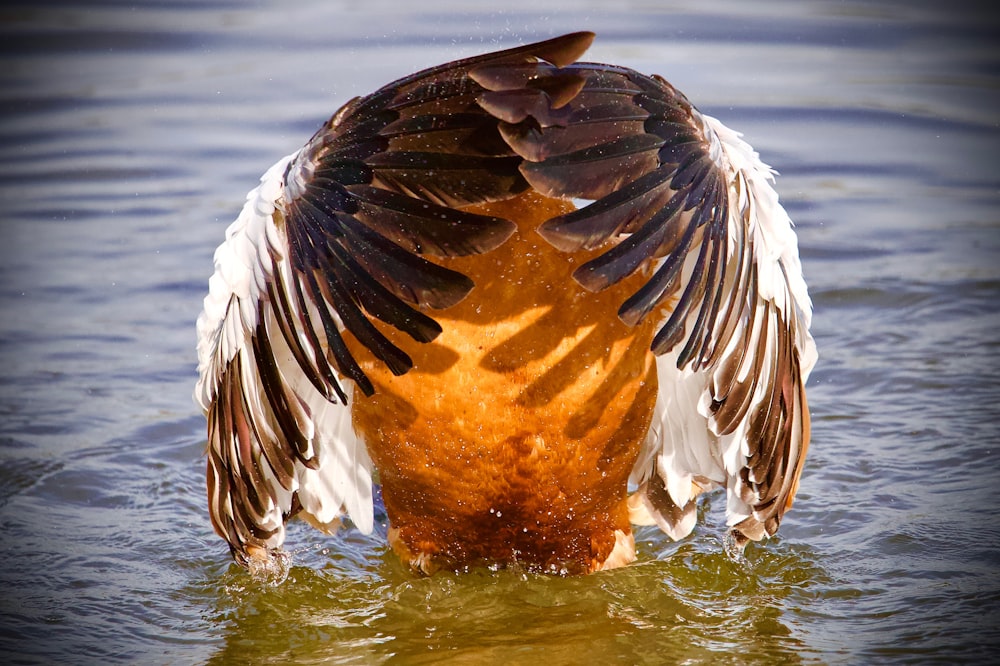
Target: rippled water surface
<point>131,133</point>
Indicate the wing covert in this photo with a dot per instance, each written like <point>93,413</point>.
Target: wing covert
<point>377,190</point>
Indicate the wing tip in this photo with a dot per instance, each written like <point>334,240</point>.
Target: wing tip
<point>565,49</point>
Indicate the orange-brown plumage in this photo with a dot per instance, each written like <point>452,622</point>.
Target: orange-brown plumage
<point>513,436</point>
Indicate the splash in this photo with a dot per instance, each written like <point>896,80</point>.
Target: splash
<point>272,570</point>
<point>733,547</point>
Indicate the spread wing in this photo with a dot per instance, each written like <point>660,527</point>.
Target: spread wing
<point>339,235</point>
<point>683,200</point>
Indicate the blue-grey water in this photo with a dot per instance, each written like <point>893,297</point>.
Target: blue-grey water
<point>129,136</point>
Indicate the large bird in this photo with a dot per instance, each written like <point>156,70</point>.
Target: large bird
<point>415,294</point>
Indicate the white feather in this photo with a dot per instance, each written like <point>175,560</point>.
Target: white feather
<point>683,441</point>
<point>777,245</point>
<point>236,300</point>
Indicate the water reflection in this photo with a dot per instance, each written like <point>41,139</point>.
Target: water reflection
<point>693,604</point>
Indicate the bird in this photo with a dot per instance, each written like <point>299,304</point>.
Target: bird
<point>536,301</point>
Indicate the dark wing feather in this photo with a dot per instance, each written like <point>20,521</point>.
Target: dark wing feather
<point>664,196</point>
<point>378,186</point>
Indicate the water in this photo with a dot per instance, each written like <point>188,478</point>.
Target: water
<point>130,135</point>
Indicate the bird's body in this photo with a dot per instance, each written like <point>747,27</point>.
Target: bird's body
<point>515,432</point>
<point>416,292</point>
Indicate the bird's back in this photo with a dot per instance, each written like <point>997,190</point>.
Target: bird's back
<point>513,436</point>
